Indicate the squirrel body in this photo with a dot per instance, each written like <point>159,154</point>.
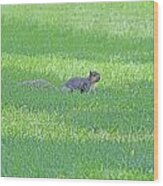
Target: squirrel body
<point>82,84</point>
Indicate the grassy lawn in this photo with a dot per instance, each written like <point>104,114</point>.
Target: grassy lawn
<point>103,135</point>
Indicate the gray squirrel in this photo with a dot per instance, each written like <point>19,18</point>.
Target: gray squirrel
<point>83,84</point>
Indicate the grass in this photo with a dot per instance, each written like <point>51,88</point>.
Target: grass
<point>103,135</point>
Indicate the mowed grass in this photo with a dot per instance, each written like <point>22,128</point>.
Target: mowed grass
<point>103,135</point>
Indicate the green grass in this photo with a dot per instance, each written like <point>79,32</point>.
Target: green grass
<point>103,135</point>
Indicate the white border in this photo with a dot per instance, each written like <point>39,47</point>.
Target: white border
<point>56,182</point>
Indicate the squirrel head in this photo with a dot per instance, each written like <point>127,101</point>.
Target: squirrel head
<point>94,76</point>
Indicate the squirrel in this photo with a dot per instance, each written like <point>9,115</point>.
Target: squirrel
<point>77,83</point>
<point>82,84</point>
